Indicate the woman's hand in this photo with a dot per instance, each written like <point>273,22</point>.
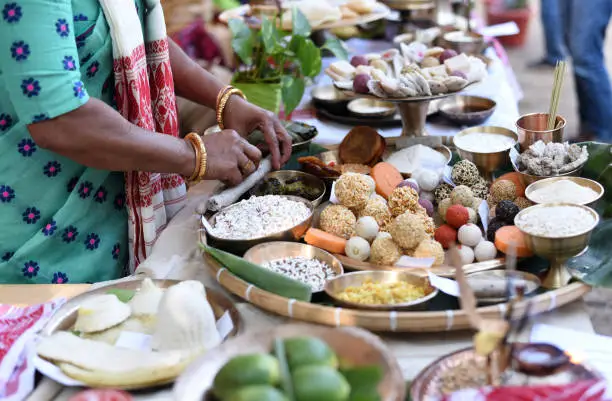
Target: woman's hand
<point>245,118</point>
<point>230,158</point>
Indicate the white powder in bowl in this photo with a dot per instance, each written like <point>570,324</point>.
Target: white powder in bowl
<point>555,221</point>
<point>415,157</point>
<point>564,191</point>
<point>484,142</point>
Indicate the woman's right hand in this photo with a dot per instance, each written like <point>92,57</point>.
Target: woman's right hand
<point>230,158</point>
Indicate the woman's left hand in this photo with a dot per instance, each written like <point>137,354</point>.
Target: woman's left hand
<point>244,118</point>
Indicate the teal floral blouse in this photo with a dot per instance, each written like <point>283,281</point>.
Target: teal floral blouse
<point>60,222</point>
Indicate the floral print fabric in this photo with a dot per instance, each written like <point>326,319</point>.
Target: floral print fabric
<point>60,222</point>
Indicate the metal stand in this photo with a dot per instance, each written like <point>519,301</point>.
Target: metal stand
<point>414,116</point>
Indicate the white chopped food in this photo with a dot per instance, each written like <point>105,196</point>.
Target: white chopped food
<point>312,272</point>
<point>484,142</point>
<point>259,216</point>
<point>564,191</point>
<point>555,221</point>
<point>357,248</point>
<point>101,312</point>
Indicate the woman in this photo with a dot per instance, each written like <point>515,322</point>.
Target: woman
<point>91,165</point>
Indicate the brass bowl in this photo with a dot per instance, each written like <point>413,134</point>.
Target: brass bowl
<point>533,127</point>
<point>353,346</point>
<point>308,179</point>
<point>329,98</point>
<point>270,251</point>
<point>487,163</point>
<point>557,249</point>
<point>334,286</point>
<point>467,110</point>
<point>240,246</point>
<point>464,42</point>
<point>585,182</point>
<point>528,179</point>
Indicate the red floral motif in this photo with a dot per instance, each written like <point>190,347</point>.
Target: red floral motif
<point>12,327</point>
<point>170,181</point>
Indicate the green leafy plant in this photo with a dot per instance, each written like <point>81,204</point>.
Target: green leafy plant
<point>272,56</point>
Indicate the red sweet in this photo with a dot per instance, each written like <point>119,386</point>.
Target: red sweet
<point>445,235</point>
<point>457,215</point>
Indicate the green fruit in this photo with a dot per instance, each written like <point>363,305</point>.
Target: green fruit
<point>304,351</point>
<point>246,370</point>
<point>256,393</point>
<point>320,383</point>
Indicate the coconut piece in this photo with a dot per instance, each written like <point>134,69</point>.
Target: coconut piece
<point>455,84</point>
<point>362,145</point>
<point>147,299</point>
<point>101,312</point>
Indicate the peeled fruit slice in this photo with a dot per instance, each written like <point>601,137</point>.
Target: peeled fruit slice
<point>257,393</point>
<point>101,312</point>
<point>304,351</point>
<point>320,383</point>
<point>147,299</point>
<point>246,370</point>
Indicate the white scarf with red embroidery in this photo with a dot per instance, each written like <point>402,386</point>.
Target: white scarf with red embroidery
<point>144,93</point>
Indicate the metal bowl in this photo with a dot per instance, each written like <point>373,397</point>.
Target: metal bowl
<point>309,179</point>
<point>467,110</point>
<point>329,98</point>
<point>240,246</point>
<point>487,163</point>
<point>335,286</point>
<point>528,179</point>
<point>534,127</point>
<point>585,182</point>
<point>464,42</point>
<point>490,286</point>
<point>371,108</point>
<point>270,251</point>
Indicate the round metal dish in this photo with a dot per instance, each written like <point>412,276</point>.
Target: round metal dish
<point>270,251</point>
<point>329,98</point>
<point>371,108</point>
<point>585,182</point>
<point>528,179</point>
<point>464,42</point>
<point>354,346</point>
<point>340,283</point>
<point>239,246</point>
<point>308,179</point>
<point>467,110</point>
<point>426,386</point>
<point>487,293</point>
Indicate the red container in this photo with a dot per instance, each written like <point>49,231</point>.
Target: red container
<point>498,14</point>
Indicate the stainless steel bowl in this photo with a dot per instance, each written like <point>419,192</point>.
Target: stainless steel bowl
<point>467,110</point>
<point>464,42</point>
<point>270,251</point>
<point>355,279</point>
<point>490,286</point>
<point>585,182</point>
<point>528,179</point>
<point>240,246</point>
<point>309,179</point>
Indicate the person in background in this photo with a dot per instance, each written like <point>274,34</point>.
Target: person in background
<point>550,14</point>
<point>585,24</point>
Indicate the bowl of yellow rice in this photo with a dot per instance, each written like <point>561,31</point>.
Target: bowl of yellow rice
<point>382,290</point>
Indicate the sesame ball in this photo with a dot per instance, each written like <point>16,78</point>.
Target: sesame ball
<point>476,204</point>
<point>522,203</point>
<point>506,211</point>
<point>442,192</point>
<point>494,225</point>
<point>384,251</point>
<point>462,195</point>
<point>480,188</point>
<point>353,190</point>
<point>338,220</point>
<point>465,173</point>
<point>378,210</point>
<point>403,199</point>
<point>408,230</point>
<point>503,190</point>
<point>443,207</point>
<point>430,248</point>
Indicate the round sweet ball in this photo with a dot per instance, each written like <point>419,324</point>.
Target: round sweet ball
<point>410,182</point>
<point>427,205</point>
<point>383,234</point>
<point>353,190</point>
<point>480,189</point>
<point>408,230</point>
<point>427,195</point>
<point>465,172</point>
<point>494,225</point>
<point>462,195</point>
<point>484,251</point>
<point>428,248</point>
<point>503,190</point>
<point>384,251</point>
<point>443,207</point>
<point>366,228</point>
<point>506,211</point>
<point>445,235</point>
<point>338,220</point>
<point>427,179</point>
<point>469,235</point>
<point>522,203</point>
<point>442,192</point>
<point>457,216</point>
<point>473,216</point>
<point>466,254</point>
<point>357,248</point>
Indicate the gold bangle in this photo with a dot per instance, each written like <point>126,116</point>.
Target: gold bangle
<point>223,102</point>
<point>201,157</point>
<point>222,93</point>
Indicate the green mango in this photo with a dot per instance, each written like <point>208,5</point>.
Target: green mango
<point>246,370</point>
<point>303,351</point>
<point>320,383</point>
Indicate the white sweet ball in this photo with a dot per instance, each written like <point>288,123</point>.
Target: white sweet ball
<point>484,251</point>
<point>357,248</point>
<point>427,179</point>
<point>427,195</point>
<point>383,234</point>
<point>466,254</point>
<point>366,228</point>
<point>469,234</point>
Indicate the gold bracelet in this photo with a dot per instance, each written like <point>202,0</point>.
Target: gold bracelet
<point>224,100</point>
<point>201,157</point>
<point>222,93</point>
